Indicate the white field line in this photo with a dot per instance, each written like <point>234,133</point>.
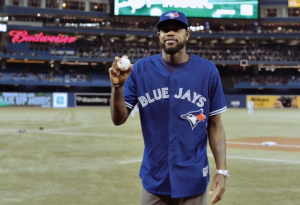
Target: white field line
<point>87,134</point>
<point>231,157</point>
<point>73,133</point>
<point>137,137</point>
<point>130,161</point>
<point>9,129</point>
<point>259,144</point>
<point>54,131</point>
<point>262,159</point>
<point>67,128</point>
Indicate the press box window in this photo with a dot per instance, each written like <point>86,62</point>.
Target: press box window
<point>73,5</point>
<point>271,12</point>
<point>100,7</point>
<point>14,2</point>
<point>294,12</point>
<point>53,4</point>
<point>34,3</point>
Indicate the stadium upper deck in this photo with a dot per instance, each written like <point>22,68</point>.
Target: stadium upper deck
<point>57,33</point>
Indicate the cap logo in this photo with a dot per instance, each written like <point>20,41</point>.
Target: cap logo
<point>172,15</point>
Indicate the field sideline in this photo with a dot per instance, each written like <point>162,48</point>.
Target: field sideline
<point>82,158</point>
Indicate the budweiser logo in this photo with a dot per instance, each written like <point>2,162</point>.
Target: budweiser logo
<point>22,36</point>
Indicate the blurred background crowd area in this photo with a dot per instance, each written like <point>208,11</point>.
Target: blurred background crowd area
<point>200,26</point>
<point>252,55</point>
<point>144,47</point>
<point>89,75</point>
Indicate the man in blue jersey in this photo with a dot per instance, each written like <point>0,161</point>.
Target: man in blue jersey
<point>180,99</point>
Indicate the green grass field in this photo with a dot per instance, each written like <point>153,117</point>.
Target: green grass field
<point>82,158</point>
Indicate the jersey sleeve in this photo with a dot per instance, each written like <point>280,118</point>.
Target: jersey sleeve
<point>130,91</point>
<point>217,98</point>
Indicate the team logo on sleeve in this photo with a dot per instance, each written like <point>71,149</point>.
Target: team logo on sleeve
<point>172,15</point>
<point>194,117</point>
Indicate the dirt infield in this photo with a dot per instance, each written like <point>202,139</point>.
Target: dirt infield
<point>283,143</point>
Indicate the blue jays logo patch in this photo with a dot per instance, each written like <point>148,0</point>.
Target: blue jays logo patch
<point>172,15</point>
<point>194,117</point>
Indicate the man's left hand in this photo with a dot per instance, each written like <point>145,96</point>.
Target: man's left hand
<point>219,182</point>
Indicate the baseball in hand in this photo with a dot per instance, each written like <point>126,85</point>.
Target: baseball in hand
<point>124,65</point>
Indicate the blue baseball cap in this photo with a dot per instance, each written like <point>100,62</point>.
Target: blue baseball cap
<point>172,15</point>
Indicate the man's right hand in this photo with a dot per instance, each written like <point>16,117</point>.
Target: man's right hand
<point>118,77</point>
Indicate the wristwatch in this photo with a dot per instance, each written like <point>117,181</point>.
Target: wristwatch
<point>117,86</point>
<point>224,172</point>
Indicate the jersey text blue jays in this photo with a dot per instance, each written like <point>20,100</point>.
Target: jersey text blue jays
<point>163,93</point>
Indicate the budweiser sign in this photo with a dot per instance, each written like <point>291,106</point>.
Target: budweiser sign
<point>22,36</point>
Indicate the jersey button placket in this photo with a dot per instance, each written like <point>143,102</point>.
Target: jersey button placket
<point>173,80</point>
<point>172,128</point>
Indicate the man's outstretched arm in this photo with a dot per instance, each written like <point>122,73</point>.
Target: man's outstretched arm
<point>118,109</point>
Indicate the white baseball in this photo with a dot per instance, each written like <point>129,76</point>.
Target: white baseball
<point>124,65</point>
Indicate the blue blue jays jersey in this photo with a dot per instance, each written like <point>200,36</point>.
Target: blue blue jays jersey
<point>174,109</point>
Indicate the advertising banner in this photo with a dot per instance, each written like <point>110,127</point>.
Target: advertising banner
<point>235,101</point>
<point>3,27</point>
<point>25,99</point>
<point>23,36</point>
<point>92,100</point>
<point>294,3</point>
<point>238,9</point>
<point>273,101</point>
<point>60,100</point>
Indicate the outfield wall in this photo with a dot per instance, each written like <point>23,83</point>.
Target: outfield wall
<point>64,100</point>
<point>10,99</point>
<point>232,101</point>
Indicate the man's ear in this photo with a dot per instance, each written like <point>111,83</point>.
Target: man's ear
<point>158,33</point>
<point>188,34</point>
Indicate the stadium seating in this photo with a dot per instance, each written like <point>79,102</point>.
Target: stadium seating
<point>43,76</point>
<point>267,78</point>
<point>116,24</point>
<point>101,37</point>
<point>136,50</point>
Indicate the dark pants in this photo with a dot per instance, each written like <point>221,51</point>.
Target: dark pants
<point>153,199</point>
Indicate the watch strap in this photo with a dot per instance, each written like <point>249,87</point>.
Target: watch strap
<point>117,86</point>
<point>224,172</point>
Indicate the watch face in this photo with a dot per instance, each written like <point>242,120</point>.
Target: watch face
<point>224,172</point>
<point>228,175</point>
